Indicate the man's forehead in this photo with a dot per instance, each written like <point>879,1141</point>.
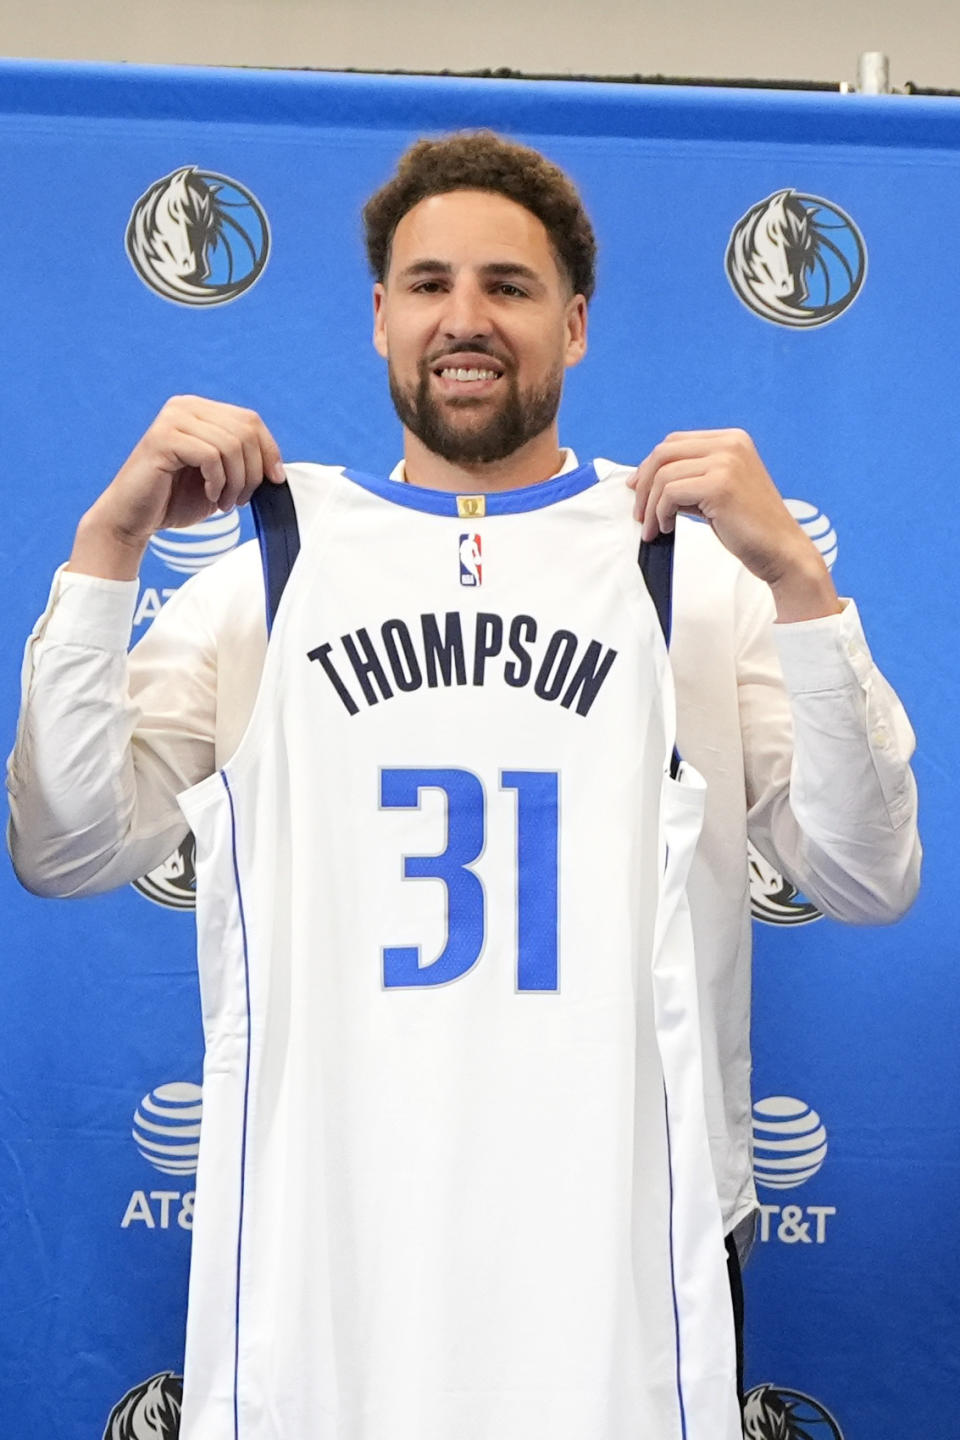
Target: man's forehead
<point>474,227</point>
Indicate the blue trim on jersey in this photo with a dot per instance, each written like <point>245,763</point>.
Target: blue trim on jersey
<point>246,1098</point>
<point>506,502</point>
<point>673,1272</point>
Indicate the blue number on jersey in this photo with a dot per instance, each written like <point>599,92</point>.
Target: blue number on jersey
<point>537,870</point>
<point>400,790</point>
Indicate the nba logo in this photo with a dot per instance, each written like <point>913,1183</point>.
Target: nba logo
<point>471,566</point>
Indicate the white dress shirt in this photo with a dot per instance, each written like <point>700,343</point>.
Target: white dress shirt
<point>804,746</point>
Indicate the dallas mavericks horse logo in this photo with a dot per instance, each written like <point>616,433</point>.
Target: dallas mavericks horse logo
<point>797,260</point>
<point>150,1411</point>
<point>770,1413</point>
<point>773,899</point>
<point>198,238</point>
<point>174,883</point>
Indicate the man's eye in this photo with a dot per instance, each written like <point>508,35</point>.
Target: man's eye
<point>427,287</point>
<point>505,288</point>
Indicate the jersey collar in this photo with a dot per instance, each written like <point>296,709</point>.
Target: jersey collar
<point>569,480</point>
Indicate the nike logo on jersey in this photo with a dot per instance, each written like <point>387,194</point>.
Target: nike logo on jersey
<point>434,651</point>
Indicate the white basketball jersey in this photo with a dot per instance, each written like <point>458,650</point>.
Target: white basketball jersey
<point>454,1179</point>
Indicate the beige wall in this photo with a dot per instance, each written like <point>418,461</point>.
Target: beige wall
<point>805,39</point>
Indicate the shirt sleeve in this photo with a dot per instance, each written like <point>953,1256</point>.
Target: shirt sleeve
<point>106,741</point>
<point>832,801</point>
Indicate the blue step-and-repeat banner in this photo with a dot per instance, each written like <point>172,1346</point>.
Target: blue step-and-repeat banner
<point>785,263</point>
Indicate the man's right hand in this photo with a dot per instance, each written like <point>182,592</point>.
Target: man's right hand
<point>198,456</point>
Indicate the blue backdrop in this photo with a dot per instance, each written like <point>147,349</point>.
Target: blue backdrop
<point>778,262</point>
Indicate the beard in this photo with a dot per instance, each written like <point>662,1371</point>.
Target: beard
<point>520,416</point>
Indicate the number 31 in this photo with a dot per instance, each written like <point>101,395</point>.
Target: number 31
<point>536,870</point>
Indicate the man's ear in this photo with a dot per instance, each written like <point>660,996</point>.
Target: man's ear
<point>379,322</point>
<point>576,321</point>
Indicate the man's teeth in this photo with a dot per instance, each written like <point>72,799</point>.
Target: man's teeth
<point>451,374</point>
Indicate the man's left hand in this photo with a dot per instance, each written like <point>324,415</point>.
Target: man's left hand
<point>718,475</point>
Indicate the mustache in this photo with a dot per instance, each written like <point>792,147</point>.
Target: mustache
<point>472,347</point>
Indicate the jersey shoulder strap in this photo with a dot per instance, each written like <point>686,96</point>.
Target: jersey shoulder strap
<point>656,567</point>
<point>278,534</point>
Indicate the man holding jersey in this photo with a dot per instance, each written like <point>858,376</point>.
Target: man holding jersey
<point>483,262</point>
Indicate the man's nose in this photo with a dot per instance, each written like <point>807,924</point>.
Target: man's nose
<point>467,313</point>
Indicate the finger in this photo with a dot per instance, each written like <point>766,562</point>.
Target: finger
<point>270,455</point>
<point>695,435</point>
<point>253,470</point>
<point>248,491</point>
<point>641,483</point>
<point>248,425</point>
<point>678,447</point>
<point>269,463</point>
<point>238,458</point>
<point>192,452</point>
<point>254,430</point>
<point>687,445</point>
<point>665,473</point>
<point>678,497</point>
<point>686,468</point>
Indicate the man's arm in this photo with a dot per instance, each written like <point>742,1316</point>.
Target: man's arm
<point>104,745</point>
<point>106,741</point>
<point>831,798</point>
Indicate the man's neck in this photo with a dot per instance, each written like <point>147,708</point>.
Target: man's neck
<point>540,458</point>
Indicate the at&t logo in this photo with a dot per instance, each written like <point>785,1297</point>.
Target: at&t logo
<point>789,1147</point>
<point>773,1413</point>
<point>797,260</point>
<point>151,602</point>
<point>196,546</point>
<point>198,238</point>
<point>817,527</point>
<point>166,1131</point>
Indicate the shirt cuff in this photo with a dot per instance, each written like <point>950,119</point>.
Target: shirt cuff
<point>823,654</point>
<point>88,610</point>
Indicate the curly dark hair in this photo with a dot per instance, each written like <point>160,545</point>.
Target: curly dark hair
<point>483,160</point>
